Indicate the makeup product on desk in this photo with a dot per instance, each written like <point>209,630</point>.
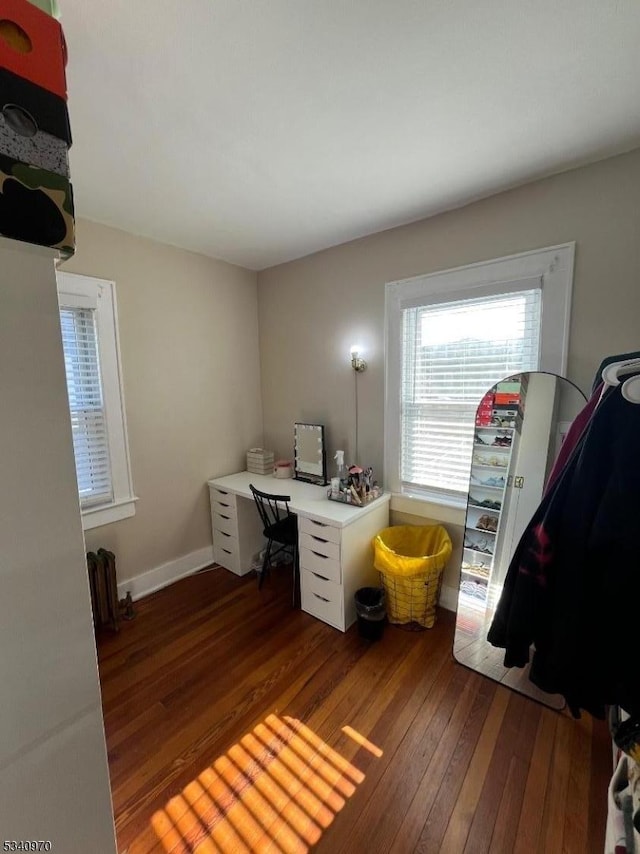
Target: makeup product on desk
<point>355,498</point>
<point>283,469</point>
<point>357,487</point>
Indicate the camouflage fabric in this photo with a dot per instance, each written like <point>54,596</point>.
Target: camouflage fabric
<point>36,206</point>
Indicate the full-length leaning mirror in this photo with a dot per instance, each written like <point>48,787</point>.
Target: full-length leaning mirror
<point>520,425</point>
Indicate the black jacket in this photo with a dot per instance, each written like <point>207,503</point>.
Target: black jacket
<point>573,585</point>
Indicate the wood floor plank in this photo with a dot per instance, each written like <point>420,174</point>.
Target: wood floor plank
<point>443,793</point>
<point>235,723</point>
<point>481,831</point>
<point>325,659</point>
<point>181,695</point>
<point>407,837</point>
<point>386,723</point>
<point>559,775</point>
<point>530,824</point>
<point>378,822</point>
<point>195,747</point>
<point>177,658</point>
<point>512,803</point>
<point>464,808</point>
<point>575,827</point>
<point>387,718</point>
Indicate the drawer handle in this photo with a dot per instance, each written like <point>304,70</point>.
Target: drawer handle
<point>222,492</point>
<point>319,524</point>
<point>322,599</point>
<point>317,554</point>
<point>322,577</point>
<point>224,533</point>
<point>222,504</point>
<point>318,539</point>
<point>226,551</point>
<point>222,516</point>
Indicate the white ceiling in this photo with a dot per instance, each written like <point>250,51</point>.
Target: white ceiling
<point>258,131</point>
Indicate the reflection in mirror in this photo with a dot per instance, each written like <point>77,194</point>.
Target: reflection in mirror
<point>520,426</point>
<point>310,456</point>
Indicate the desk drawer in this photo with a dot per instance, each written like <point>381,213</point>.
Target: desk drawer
<point>223,502</point>
<point>315,543</point>
<point>327,567</point>
<point>322,599</point>
<point>226,524</point>
<point>320,529</point>
<point>225,552</point>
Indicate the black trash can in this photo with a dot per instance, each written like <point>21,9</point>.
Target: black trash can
<point>371,612</point>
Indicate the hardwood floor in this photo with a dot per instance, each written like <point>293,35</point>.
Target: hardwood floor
<point>236,724</point>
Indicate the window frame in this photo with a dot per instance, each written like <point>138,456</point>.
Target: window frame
<point>75,290</point>
<point>553,266</point>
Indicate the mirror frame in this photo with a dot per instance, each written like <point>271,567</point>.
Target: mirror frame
<point>485,658</point>
<point>302,473</point>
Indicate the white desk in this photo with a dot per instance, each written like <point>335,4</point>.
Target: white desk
<point>334,539</point>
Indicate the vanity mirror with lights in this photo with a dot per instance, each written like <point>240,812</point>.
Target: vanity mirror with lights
<point>310,458</point>
<point>519,428</point>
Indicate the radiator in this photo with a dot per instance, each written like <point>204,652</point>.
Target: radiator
<point>107,610</point>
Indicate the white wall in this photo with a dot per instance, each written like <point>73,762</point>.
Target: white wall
<point>54,782</point>
<point>311,310</point>
<point>189,345</point>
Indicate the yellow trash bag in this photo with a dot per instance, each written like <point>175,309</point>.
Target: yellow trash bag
<point>410,559</point>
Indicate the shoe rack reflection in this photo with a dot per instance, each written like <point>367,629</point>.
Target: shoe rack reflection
<point>520,425</point>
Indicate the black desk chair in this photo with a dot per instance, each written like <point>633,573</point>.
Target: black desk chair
<point>281,528</point>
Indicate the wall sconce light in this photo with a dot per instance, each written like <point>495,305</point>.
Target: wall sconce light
<point>357,363</point>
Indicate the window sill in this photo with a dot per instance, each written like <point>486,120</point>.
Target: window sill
<point>94,517</point>
<point>441,509</point>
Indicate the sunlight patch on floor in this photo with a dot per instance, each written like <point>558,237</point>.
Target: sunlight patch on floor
<point>274,792</point>
<point>362,741</point>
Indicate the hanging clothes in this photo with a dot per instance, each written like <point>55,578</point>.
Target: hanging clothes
<point>572,588</point>
<point>575,432</point>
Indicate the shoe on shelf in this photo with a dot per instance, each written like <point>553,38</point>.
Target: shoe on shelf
<point>494,480</point>
<point>487,523</point>
<point>483,546</point>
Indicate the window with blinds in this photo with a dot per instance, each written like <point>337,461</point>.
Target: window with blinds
<point>88,419</point>
<point>452,352</point>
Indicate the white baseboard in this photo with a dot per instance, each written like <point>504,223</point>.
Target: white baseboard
<point>448,598</point>
<point>162,576</point>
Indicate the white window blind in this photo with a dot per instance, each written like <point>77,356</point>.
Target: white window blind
<point>88,420</point>
<point>452,352</point>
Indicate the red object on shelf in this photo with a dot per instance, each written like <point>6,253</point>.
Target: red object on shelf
<point>507,397</point>
<point>487,400</point>
<point>484,411</point>
<point>32,45</point>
